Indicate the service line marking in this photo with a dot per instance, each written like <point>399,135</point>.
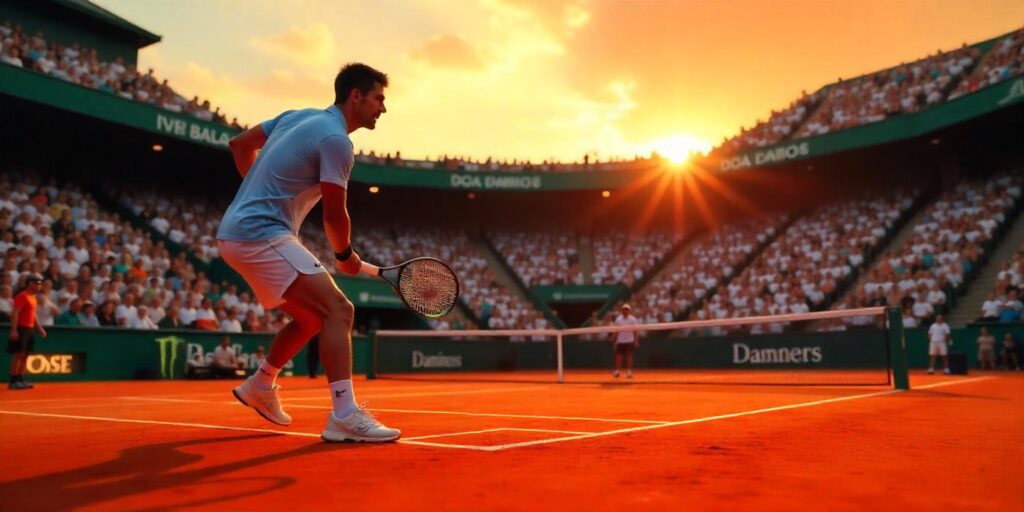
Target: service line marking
<point>499,429</point>
<point>727,416</point>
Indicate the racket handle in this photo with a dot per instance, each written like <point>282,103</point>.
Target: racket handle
<point>370,269</point>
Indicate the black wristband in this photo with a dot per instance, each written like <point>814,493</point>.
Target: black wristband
<point>343,255</point>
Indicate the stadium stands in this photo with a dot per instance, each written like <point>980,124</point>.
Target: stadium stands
<point>74,63</point>
<point>90,258</point>
<point>1004,60</point>
<point>704,264</point>
<point>871,98</point>
<point>805,267</point>
<point>623,258</point>
<point>541,258</point>
<point>904,89</point>
<point>781,125</point>
<point>925,274</point>
<point>1003,302</point>
<point>452,163</point>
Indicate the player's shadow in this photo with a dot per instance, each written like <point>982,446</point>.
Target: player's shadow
<point>148,468</point>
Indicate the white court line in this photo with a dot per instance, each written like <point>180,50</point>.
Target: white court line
<point>727,416</point>
<point>499,429</point>
<point>155,422</point>
<point>223,427</point>
<point>493,415</point>
<point>495,448</point>
<point>408,411</point>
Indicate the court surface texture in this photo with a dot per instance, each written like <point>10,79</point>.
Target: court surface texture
<point>951,443</point>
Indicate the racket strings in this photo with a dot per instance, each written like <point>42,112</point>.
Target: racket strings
<point>429,287</point>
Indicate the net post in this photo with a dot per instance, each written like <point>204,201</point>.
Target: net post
<point>897,348</point>
<point>371,366</point>
<point>561,360</point>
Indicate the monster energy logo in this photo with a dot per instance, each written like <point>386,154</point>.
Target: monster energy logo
<point>170,343</point>
<point>1016,91</point>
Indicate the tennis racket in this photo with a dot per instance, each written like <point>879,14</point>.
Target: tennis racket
<point>427,286</point>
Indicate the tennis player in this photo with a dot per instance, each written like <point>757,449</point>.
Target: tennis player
<point>939,340</point>
<point>625,342</point>
<point>288,164</point>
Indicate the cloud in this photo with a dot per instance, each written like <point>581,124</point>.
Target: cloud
<point>295,85</point>
<point>448,51</point>
<point>311,45</point>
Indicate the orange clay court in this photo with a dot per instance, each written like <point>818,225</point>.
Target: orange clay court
<point>472,445</point>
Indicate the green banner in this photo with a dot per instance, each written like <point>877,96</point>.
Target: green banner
<point>57,93</point>
<point>569,294</point>
<point>848,350</point>
<point>82,354</point>
<point>989,99</point>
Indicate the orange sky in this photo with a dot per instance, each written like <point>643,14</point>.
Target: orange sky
<point>546,78</point>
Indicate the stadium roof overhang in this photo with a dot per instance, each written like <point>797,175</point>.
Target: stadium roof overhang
<point>95,13</point>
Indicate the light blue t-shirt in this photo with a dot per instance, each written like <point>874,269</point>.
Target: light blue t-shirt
<point>303,149</point>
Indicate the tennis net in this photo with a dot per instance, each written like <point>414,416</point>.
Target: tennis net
<point>846,347</point>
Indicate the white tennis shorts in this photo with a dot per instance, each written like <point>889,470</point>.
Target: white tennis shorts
<point>270,266</point>
<point>937,348</point>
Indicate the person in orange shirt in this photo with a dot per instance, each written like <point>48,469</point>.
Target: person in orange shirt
<point>23,331</point>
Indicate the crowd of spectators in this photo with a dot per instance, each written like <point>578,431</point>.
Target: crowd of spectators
<point>697,272</point>
<point>780,125</point>
<point>1003,303</point>
<point>192,224</point>
<point>541,258</point>
<point>99,271</point>
<point>925,273</point>
<point>803,269</point>
<point>906,88</point>
<point>80,65</point>
<point>1004,60</point>
<point>469,164</point>
<point>623,258</point>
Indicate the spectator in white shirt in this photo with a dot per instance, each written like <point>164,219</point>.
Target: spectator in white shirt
<point>231,323</point>
<point>141,320</point>
<point>126,310</point>
<point>990,308</point>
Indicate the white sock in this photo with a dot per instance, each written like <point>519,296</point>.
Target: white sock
<point>265,376</point>
<point>343,398</point>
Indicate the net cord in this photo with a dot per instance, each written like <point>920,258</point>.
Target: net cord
<point>687,324</point>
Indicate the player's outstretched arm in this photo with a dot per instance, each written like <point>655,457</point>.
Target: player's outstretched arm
<point>338,226</point>
<point>245,147</point>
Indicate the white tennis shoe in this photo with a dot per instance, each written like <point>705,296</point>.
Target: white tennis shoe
<point>266,403</point>
<point>359,426</point>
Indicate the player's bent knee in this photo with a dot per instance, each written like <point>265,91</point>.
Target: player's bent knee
<point>339,307</point>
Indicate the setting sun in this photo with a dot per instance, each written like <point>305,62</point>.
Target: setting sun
<point>678,148</point>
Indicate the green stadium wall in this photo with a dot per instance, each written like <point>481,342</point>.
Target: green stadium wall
<point>85,354</point>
